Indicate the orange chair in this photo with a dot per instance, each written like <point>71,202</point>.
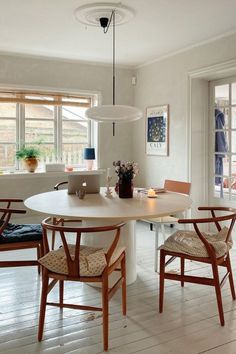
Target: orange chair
<point>83,264</point>
<point>201,247</point>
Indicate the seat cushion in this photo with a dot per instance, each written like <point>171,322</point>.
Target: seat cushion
<point>188,242</point>
<point>92,260</point>
<point>21,233</point>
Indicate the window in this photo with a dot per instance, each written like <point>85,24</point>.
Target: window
<point>55,123</point>
<point>225,140</point>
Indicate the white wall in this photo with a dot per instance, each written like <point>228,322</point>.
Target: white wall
<point>167,82</point>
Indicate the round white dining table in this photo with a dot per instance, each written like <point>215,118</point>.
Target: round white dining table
<point>97,209</point>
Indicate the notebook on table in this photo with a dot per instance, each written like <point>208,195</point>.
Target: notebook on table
<point>157,190</point>
<point>91,183</point>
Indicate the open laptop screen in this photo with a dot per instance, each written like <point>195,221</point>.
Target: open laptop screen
<point>91,183</point>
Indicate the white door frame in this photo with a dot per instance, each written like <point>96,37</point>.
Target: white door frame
<point>197,129</point>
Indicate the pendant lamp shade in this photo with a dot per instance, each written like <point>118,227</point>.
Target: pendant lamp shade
<point>114,113</point>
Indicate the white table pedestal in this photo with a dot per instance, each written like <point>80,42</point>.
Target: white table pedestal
<point>127,239</point>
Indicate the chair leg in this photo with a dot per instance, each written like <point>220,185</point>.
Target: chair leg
<point>218,292</point>
<point>162,278</point>
<point>182,270</point>
<point>105,311</point>
<point>156,246</point>
<point>123,274</point>
<point>231,279</point>
<point>61,292</point>
<point>39,255</point>
<point>43,304</point>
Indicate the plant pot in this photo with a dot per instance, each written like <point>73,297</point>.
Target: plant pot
<point>125,188</point>
<point>31,164</point>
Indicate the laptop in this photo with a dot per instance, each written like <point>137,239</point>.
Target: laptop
<point>91,183</point>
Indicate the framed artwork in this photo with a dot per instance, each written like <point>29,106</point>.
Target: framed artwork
<point>157,130</point>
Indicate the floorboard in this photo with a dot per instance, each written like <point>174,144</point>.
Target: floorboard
<point>189,323</point>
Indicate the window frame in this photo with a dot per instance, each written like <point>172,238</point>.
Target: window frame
<point>57,120</point>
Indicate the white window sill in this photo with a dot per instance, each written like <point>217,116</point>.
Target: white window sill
<point>39,174</point>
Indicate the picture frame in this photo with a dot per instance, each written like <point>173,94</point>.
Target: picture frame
<point>157,130</point>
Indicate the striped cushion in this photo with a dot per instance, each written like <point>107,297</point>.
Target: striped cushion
<point>92,260</point>
<point>188,242</point>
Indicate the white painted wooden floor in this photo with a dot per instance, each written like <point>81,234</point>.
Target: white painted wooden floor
<point>188,325</point>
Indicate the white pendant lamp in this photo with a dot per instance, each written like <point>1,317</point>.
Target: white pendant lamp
<point>103,14</point>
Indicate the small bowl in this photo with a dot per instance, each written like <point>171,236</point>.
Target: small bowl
<point>69,168</point>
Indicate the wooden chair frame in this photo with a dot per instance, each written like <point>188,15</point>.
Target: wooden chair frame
<point>59,220</point>
<point>5,218</point>
<point>223,261</point>
<point>74,273</point>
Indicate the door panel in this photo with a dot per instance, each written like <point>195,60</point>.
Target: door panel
<point>222,142</point>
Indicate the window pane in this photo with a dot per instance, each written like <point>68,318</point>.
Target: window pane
<point>47,150</point>
<point>39,131</point>
<point>39,111</point>
<point>74,132</point>
<point>221,168</point>
<point>76,113</point>
<point>233,164</point>
<point>233,115</point>
<point>221,192</point>
<point>233,142</point>
<point>73,153</point>
<point>222,118</point>
<point>234,93</point>
<point>7,155</point>
<point>8,130</point>
<point>222,95</point>
<point>221,141</point>
<point>8,110</point>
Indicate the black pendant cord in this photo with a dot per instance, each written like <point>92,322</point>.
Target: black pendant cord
<point>105,23</point>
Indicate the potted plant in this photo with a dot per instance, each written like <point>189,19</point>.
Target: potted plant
<point>30,156</point>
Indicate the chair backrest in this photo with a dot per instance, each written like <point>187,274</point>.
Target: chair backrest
<point>6,211</point>
<point>58,185</point>
<point>177,186</point>
<point>73,264</point>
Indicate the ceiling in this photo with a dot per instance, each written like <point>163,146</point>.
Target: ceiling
<point>159,28</point>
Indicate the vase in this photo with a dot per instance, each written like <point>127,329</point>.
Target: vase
<point>31,164</point>
<point>125,188</point>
